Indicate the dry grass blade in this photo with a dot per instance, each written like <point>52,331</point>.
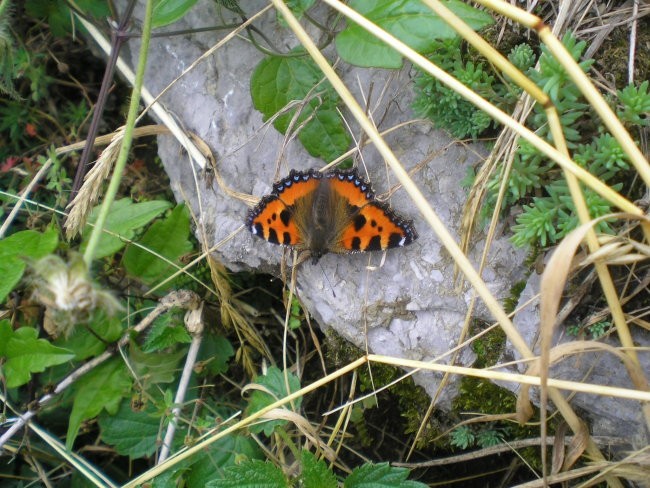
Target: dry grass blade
<point>305,428</point>
<point>576,447</point>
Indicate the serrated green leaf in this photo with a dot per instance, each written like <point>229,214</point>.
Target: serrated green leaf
<point>168,238</point>
<point>124,218</point>
<point>24,353</point>
<point>91,340</point>
<point>410,21</point>
<point>166,12</point>
<point>215,353</point>
<point>379,476</point>
<point>13,249</point>
<point>131,433</point>
<point>277,81</point>
<point>274,382</point>
<point>222,454</point>
<point>251,474</point>
<point>315,473</point>
<point>167,330</point>
<point>324,136</point>
<point>102,388</point>
<point>154,368</point>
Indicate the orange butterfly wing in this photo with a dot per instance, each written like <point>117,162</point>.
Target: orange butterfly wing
<point>374,227</point>
<point>364,225</point>
<point>272,218</point>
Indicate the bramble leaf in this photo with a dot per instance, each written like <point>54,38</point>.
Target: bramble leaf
<point>410,21</point>
<point>168,238</point>
<point>124,219</point>
<point>101,389</point>
<point>131,433</point>
<point>380,475</point>
<point>24,353</point>
<point>315,473</point>
<point>254,473</point>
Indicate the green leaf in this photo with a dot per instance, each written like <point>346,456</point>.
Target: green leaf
<point>252,474</point>
<point>315,473</point>
<point>166,12</point>
<point>154,368</point>
<point>124,218</point>
<point>380,475</point>
<point>24,353</point>
<point>168,238</point>
<point>166,331</point>
<point>410,21</point>
<point>131,433</point>
<point>11,270</point>
<point>86,342</point>
<point>222,454</point>
<point>102,388</point>
<point>274,382</point>
<point>215,353</point>
<point>26,244</point>
<point>324,136</point>
<point>277,81</point>
<point>29,244</point>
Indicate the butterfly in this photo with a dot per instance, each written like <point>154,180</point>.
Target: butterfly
<point>328,212</point>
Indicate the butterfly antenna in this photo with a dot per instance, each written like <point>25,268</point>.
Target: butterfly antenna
<point>327,279</point>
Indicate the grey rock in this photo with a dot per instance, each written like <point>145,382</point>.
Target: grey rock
<point>408,305</point>
<point>606,416</point>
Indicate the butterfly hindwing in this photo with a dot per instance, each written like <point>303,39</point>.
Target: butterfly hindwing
<point>297,185</point>
<point>272,218</point>
<point>351,186</point>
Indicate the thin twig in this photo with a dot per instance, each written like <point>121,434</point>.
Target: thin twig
<point>194,325</point>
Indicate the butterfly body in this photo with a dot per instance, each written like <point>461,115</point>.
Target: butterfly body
<point>328,212</point>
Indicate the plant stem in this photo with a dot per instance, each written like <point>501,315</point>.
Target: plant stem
<point>113,186</point>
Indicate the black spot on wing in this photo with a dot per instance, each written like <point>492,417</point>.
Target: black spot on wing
<point>286,238</point>
<point>395,240</point>
<point>374,244</point>
<point>359,222</point>
<point>285,217</point>
<point>273,237</point>
<point>356,244</point>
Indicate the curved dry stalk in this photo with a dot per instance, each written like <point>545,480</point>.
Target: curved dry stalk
<point>552,285</point>
<point>215,436</point>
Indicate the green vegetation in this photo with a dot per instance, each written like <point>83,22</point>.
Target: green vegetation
<point>534,182</point>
